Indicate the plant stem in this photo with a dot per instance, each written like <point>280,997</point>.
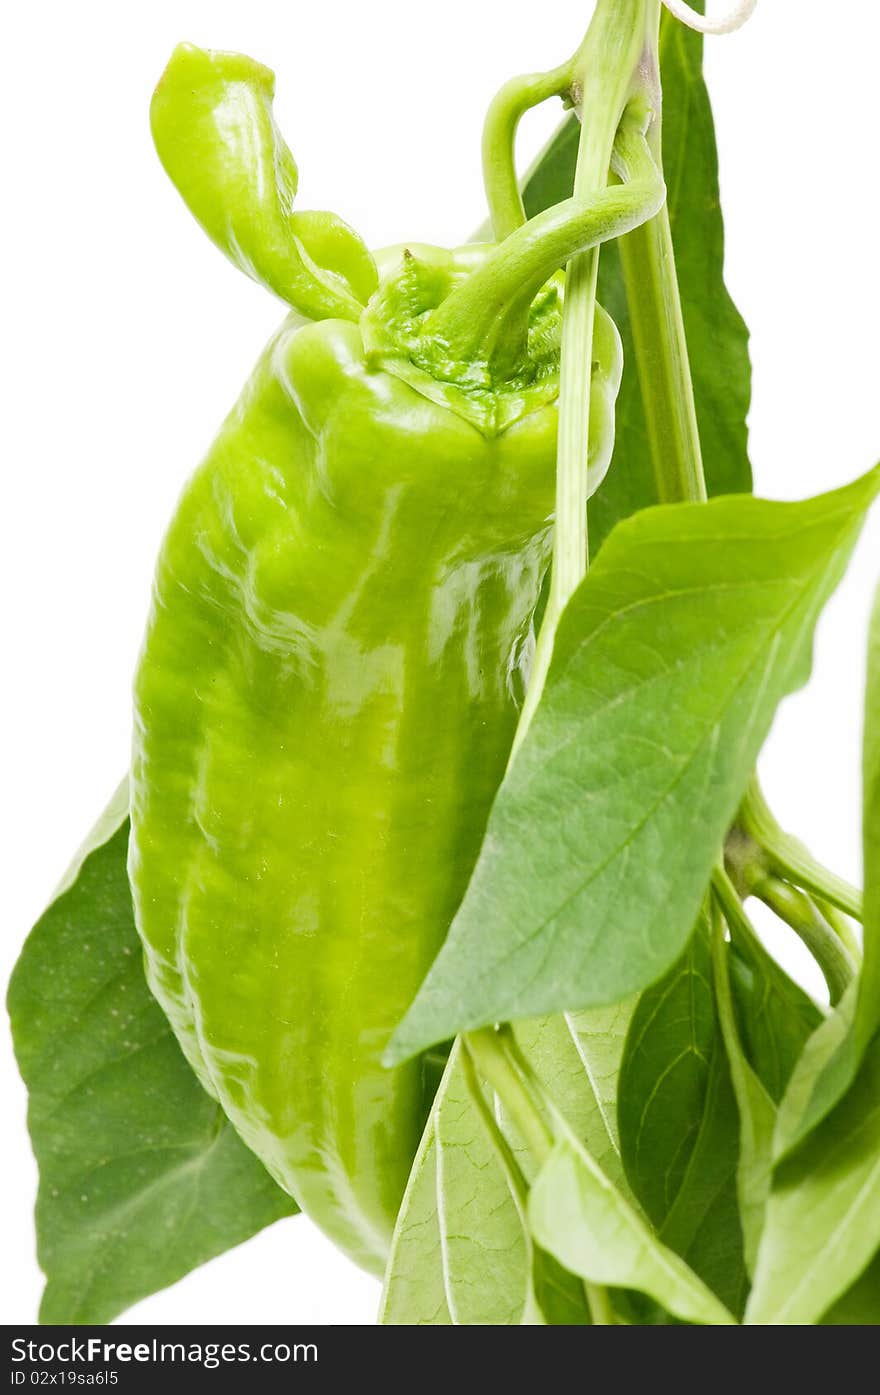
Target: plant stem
<point>599,1304</point>
<point>515,98</point>
<point>721,978</point>
<point>620,34</point>
<point>486,1050</point>
<point>486,318</point>
<point>515,1179</point>
<point>798,912</point>
<point>618,49</point>
<point>842,928</point>
<point>734,912</point>
<point>730,902</point>
<point>648,265</point>
<point>791,860</point>
<point>828,939</point>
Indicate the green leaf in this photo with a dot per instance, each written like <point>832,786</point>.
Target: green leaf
<point>868,1009</point>
<point>757,1115</point>
<point>716,335</point>
<point>678,1122</point>
<point>704,1225</point>
<point>579,1217</point>
<point>817,1070</point>
<point>415,1290</point>
<point>822,1226</point>
<point>462,1252</point>
<point>600,1036</point>
<point>459,1251</point>
<point>827,1073</point>
<point>664,1078</point>
<point>774,1015</point>
<point>141,1176</point>
<point>573,1057</point>
<point>860,1307</point>
<point>486,1248</point>
<point>757,1111</point>
<point>670,660</point>
<point>556,1297</point>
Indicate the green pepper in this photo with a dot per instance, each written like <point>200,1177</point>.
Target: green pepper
<point>340,633</point>
<point>212,122</point>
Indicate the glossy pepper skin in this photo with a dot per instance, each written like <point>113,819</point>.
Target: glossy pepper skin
<point>325,703</point>
<point>213,126</point>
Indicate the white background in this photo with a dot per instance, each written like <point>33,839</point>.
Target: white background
<point>126,337</point>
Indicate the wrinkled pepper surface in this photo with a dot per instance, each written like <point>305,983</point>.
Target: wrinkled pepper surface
<point>340,632</point>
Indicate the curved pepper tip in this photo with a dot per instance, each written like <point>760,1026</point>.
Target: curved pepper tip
<point>215,133</point>
<point>190,65</point>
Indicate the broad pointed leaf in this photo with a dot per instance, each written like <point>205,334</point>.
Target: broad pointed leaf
<point>827,1072</point>
<point>415,1284</point>
<point>462,1250</point>
<point>600,1036</point>
<point>822,1225</point>
<point>774,1015</point>
<point>664,1078</point>
<point>756,1109</point>
<point>678,1122</point>
<point>486,1248</point>
<point>141,1176</point>
<point>860,1307</point>
<point>579,1217</point>
<point>670,661</point>
<point>560,1051</point>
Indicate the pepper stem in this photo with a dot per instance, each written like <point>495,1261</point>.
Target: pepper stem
<point>486,1049</point>
<point>630,92</point>
<point>487,317</point>
<point>798,912</point>
<point>790,859</point>
<point>505,112</point>
<point>513,1173</point>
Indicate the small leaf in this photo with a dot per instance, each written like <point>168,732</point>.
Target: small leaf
<point>141,1176</point>
<point>564,1054</point>
<point>486,1249</point>
<point>678,1122</point>
<point>600,1036</point>
<point>663,1078</point>
<point>775,1016</point>
<point>579,1217</point>
<point>462,1251</point>
<point>670,661</point>
<point>822,1226</point>
<point>860,1306</point>
<point>556,1297</point>
<point>415,1289</point>
<point>757,1112</point>
<point>832,1062</point>
<point>868,1010</point>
